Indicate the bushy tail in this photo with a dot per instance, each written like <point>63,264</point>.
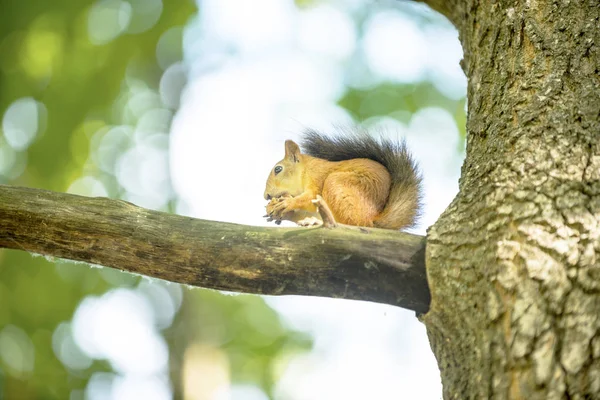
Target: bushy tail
<point>404,202</point>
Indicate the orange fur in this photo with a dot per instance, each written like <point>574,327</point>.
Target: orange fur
<point>355,190</point>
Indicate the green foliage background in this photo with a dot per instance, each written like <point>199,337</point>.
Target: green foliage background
<point>45,53</point>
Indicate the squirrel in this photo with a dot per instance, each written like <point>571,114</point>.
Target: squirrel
<point>363,181</point>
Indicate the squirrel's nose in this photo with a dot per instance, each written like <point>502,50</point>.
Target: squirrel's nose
<point>267,196</point>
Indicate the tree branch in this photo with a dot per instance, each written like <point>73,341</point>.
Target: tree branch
<point>374,265</point>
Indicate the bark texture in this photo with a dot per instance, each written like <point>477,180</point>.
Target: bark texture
<point>514,262</point>
<point>350,263</point>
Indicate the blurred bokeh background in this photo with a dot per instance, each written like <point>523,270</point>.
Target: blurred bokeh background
<point>184,106</point>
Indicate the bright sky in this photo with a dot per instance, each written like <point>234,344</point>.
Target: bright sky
<point>258,81</point>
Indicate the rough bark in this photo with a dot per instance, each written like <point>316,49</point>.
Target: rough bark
<point>513,264</point>
<point>374,265</point>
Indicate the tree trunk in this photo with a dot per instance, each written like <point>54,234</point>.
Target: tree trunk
<point>513,264</point>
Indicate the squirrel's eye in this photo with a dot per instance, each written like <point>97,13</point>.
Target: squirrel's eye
<point>278,169</point>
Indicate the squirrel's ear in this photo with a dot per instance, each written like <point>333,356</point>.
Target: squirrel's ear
<point>292,151</point>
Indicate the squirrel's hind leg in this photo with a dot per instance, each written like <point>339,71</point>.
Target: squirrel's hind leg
<point>348,200</point>
<point>327,218</point>
<point>309,221</point>
<point>303,218</point>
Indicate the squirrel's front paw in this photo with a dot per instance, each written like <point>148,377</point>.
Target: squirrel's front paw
<point>277,208</point>
<point>270,211</point>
